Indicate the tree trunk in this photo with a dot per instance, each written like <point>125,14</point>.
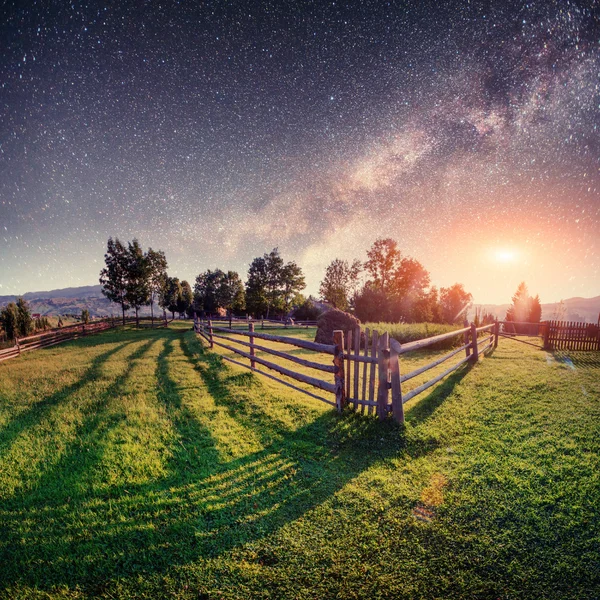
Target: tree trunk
<point>137,318</point>
<point>123,308</point>
<point>152,311</point>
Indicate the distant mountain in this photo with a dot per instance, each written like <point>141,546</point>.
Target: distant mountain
<point>71,301</point>
<point>584,310</point>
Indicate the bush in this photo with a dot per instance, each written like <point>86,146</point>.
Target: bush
<point>331,320</point>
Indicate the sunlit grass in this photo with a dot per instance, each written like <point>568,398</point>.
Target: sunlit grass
<point>137,464</point>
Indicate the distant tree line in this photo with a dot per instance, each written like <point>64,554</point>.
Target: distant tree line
<point>388,286</point>
<point>272,288</point>
<point>133,278</point>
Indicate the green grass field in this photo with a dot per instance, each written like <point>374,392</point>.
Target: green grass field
<point>135,464</point>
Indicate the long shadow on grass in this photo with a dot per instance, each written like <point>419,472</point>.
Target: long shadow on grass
<point>39,411</point>
<point>578,359</point>
<point>205,506</point>
<point>78,462</point>
<point>424,408</point>
<point>57,507</point>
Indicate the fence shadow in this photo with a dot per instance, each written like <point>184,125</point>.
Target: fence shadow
<point>578,359</point>
<point>38,411</point>
<point>423,409</point>
<point>205,505</point>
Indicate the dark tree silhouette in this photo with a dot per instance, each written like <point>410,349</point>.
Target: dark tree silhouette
<point>114,276</point>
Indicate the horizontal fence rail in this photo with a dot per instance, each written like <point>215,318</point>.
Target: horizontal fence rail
<point>366,364</point>
<point>57,335</point>
<point>216,336</point>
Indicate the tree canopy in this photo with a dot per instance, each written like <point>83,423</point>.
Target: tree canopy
<point>397,288</point>
<point>272,284</point>
<point>340,282</point>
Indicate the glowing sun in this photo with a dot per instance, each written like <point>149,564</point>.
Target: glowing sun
<point>505,255</point>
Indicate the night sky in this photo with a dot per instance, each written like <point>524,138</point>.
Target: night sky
<point>215,132</point>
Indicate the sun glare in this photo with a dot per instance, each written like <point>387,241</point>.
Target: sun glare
<point>505,255</point>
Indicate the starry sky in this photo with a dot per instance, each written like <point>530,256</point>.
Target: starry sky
<point>215,131</point>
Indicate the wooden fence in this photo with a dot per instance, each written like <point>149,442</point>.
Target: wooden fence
<point>51,337</point>
<point>554,335</point>
<point>569,335</point>
<point>366,365</point>
<point>262,323</point>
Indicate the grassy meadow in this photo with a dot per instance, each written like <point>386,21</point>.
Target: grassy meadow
<point>137,464</point>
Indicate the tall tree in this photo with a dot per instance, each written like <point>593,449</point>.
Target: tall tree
<point>454,303</point>
<point>170,295</point>
<point>340,283</point>
<point>230,293</point>
<point>274,264</point>
<point>383,261</point>
<point>372,304</point>
<point>24,320</point>
<point>292,281</point>
<point>206,291</point>
<point>114,276</point>
<point>535,310</point>
<point>519,310</point>
<point>524,309</point>
<point>408,290</point>
<point>137,291</point>
<point>256,287</point>
<point>157,268</point>
<point>9,319</point>
<point>186,299</point>
<point>272,284</point>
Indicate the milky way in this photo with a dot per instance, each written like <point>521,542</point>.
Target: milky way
<point>218,132</point>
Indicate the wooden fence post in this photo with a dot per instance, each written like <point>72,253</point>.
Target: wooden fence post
<point>252,350</point>
<point>466,339</point>
<point>496,332</point>
<point>210,334</point>
<point>397,406</point>
<point>546,335</point>
<point>17,344</point>
<point>474,346</point>
<point>338,363</point>
<point>384,363</point>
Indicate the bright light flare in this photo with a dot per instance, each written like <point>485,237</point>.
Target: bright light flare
<point>505,255</point>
